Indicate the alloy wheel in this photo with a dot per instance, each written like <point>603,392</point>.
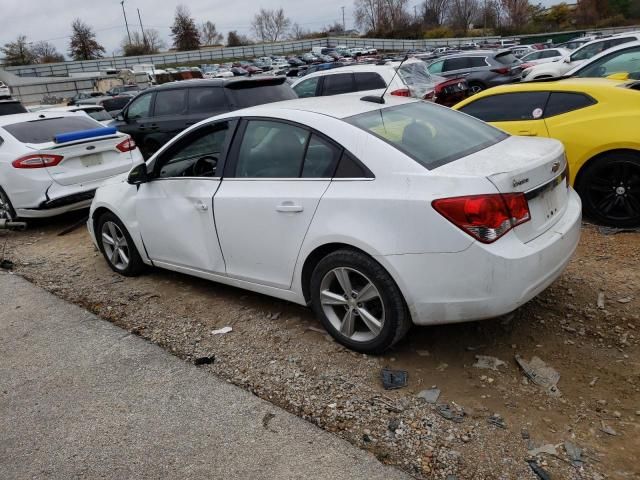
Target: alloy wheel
<point>352,304</point>
<point>5,208</point>
<point>115,245</point>
<point>614,191</point>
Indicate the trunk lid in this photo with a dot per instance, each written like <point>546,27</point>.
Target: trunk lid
<point>87,160</point>
<point>534,166</point>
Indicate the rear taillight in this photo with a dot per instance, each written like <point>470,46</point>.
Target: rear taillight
<point>126,145</point>
<point>401,92</point>
<point>37,161</point>
<point>485,217</point>
<point>501,71</point>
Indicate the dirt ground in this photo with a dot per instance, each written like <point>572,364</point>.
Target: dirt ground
<point>278,351</point>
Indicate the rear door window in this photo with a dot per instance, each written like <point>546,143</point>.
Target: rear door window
<point>338,83</point>
<point>205,100</point>
<point>459,63</point>
<point>508,107</point>
<point>170,102</point>
<point>563,102</point>
<point>249,96</point>
<point>369,81</point>
<point>43,131</point>
<point>307,88</point>
<point>476,62</point>
<point>436,67</point>
<point>321,158</point>
<point>507,58</point>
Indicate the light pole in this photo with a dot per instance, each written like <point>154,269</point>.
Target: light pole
<point>125,21</point>
<point>344,26</point>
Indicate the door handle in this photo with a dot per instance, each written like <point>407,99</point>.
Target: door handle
<point>289,207</point>
<point>527,133</point>
<point>203,207</point>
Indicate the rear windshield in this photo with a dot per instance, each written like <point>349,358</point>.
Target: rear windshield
<point>251,96</point>
<point>43,131</point>
<point>430,134</point>
<point>415,73</point>
<point>10,108</point>
<point>100,115</point>
<point>507,58</point>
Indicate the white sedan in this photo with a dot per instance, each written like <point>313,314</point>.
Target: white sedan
<point>52,162</point>
<point>377,215</point>
<point>543,56</point>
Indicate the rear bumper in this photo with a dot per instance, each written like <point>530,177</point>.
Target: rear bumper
<point>485,281</point>
<point>52,212</point>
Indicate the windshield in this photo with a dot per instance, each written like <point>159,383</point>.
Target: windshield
<point>626,61</point>
<point>43,131</point>
<point>260,94</point>
<point>100,115</point>
<point>430,134</point>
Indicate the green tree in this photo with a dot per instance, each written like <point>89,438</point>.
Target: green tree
<point>186,35</point>
<point>83,44</point>
<point>18,52</point>
<point>234,39</point>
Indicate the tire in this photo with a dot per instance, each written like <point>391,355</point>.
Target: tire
<point>610,189</point>
<point>111,225</point>
<point>381,302</point>
<point>6,209</point>
<point>475,87</point>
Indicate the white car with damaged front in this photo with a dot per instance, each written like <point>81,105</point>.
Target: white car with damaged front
<point>52,162</point>
<point>379,216</point>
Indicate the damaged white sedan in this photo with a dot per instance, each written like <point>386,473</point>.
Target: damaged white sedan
<point>378,215</point>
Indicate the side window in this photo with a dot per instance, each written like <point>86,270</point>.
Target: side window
<point>588,51</point>
<point>508,107</point>
<point>170,102</point>
<point>307,88</point>
<point>616,41</point>
<point>563,102</point>
<point>621,61</point>
<point>477,62</point>
<point>271,150</point>
<point>205,100</point>
<point>436,67</point>
<point>548,53</point>
<point>321,158</point>
<point>338,83</point>
<point>197,154</point>
<point>349,167</point>
<point>369,81</point>
<point>140,107</point>
<point>456,64</point>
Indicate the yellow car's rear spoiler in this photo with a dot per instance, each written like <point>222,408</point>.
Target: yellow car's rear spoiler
<point>619,76</point>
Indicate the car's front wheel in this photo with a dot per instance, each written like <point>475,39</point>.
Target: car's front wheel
<point>358,302</point>
<point>6,209</point>
<point>610,189</point>
<point>117,246</point>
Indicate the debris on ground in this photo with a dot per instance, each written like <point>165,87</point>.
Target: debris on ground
<point>221,331</point>
<point>206,360</point>
<point>429,395</point>
<point>266,419</point>
<point>593,382</point>
<point>547,448</point>
<point>541,473</point>
<point>445,411</point>
<point>393,379</point>
<point>608,430</point>
<point>6,264</point>
<point>541,374</point>
<point>442,367</point>
<point>488,362</point>
<point>394,424</point>
<point>600,300</point>
<point>422,353</point>
<point>614,230</point>
<point>625,299</point>
<point>574,453</point>
<point>316,329</point>
<point>524,433</point>
<point>497,420</point>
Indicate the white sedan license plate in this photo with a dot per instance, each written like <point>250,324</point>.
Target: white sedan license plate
<point>91,160</point>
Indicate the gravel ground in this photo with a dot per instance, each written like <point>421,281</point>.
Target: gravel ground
<point>586,326</point>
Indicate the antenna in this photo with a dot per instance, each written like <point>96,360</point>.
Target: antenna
<point>380,99</point>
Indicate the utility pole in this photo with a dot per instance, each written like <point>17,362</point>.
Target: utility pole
<point>125,21</point>
<point>415,12</point>
<point>144,37</point>
<point>344,26</point>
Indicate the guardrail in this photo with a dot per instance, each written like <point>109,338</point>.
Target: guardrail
<point>207,55</point>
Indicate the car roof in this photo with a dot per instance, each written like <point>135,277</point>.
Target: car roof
<point>209,82</point>
<point>27,117</point>
<point>336,106</point>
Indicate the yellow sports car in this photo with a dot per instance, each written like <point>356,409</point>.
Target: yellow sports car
<point>597,119</point>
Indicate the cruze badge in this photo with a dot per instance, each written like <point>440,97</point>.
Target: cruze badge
<point>517,183</point>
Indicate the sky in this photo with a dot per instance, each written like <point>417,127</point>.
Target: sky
<point>50,20</point>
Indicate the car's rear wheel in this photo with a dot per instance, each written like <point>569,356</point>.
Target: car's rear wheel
<point>358,302</point>
<point>6,209</point>
<point>610,189</point>
<point>117,246</point>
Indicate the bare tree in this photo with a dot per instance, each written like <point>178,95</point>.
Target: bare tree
<point>434,12</point>
<point>297,32</point>
<point>18,52</point>
<point>149,44</point>
<point>83,44</point>
<point>209,34</point>
<point>462,13</point>
<point>184,31</point>
<point>516,11</point>
<point>45,52</point>
<point>270,25</point>
<point>381,15</point>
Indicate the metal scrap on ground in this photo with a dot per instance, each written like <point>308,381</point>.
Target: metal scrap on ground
<point>393,379</point>
<point>541,374</point>
<point>488,362</point>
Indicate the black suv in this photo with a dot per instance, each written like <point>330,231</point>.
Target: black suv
<point>10,107</point>
<point>159,113</point>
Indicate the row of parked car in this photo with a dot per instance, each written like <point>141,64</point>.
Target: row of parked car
<point>369,204</point>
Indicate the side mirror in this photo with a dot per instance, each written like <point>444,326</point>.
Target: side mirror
<point>138,175</point>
